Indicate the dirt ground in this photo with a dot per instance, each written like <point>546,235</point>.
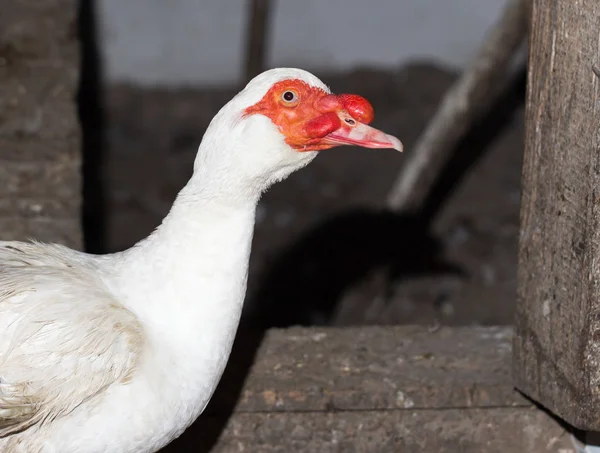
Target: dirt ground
<point>325,252</point>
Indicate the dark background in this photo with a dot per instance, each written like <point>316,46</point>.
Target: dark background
<point>325,251</point>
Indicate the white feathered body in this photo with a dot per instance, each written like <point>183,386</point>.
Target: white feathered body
<point>118,344</point>
<point>120,353</point>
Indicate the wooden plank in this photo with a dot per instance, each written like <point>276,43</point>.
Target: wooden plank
<point>557,348</point>
<point>39,129</point>
<point>372,389</point>
<point>497,430</point>
<point>381,368</point>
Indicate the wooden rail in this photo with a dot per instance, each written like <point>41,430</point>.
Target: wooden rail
<point>373,389</point>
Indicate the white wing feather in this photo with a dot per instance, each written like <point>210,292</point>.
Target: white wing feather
<point>63,337</point>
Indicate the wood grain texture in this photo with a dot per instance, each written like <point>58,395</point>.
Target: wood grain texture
<point>557,341</point>
<point>498,430</point>
<point>39,128</point>
<point>370,368</point>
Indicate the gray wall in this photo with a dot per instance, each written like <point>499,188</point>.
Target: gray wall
<point>191,42</point>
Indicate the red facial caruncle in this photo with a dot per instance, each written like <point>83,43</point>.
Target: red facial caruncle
<point>312,119</point>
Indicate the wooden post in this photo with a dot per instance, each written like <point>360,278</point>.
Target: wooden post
<point>557,338</point>
<point>256,37</point>
<point>39,129</point>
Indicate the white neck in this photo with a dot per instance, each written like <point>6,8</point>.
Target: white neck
<point>187,280</point>
<point>186,283</point>
<point>192,269</point>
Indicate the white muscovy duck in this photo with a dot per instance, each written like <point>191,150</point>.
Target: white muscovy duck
<point>120,353</point>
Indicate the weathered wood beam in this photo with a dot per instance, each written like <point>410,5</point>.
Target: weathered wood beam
<point>557,342</point>
<point>478,87</point>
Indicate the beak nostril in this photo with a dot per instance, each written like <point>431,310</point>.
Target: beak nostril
<point>350,121</point>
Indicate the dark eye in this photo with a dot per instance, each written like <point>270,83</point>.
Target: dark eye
<point>289,96</point>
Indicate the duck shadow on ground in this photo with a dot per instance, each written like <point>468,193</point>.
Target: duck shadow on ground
<point>306,283</point>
